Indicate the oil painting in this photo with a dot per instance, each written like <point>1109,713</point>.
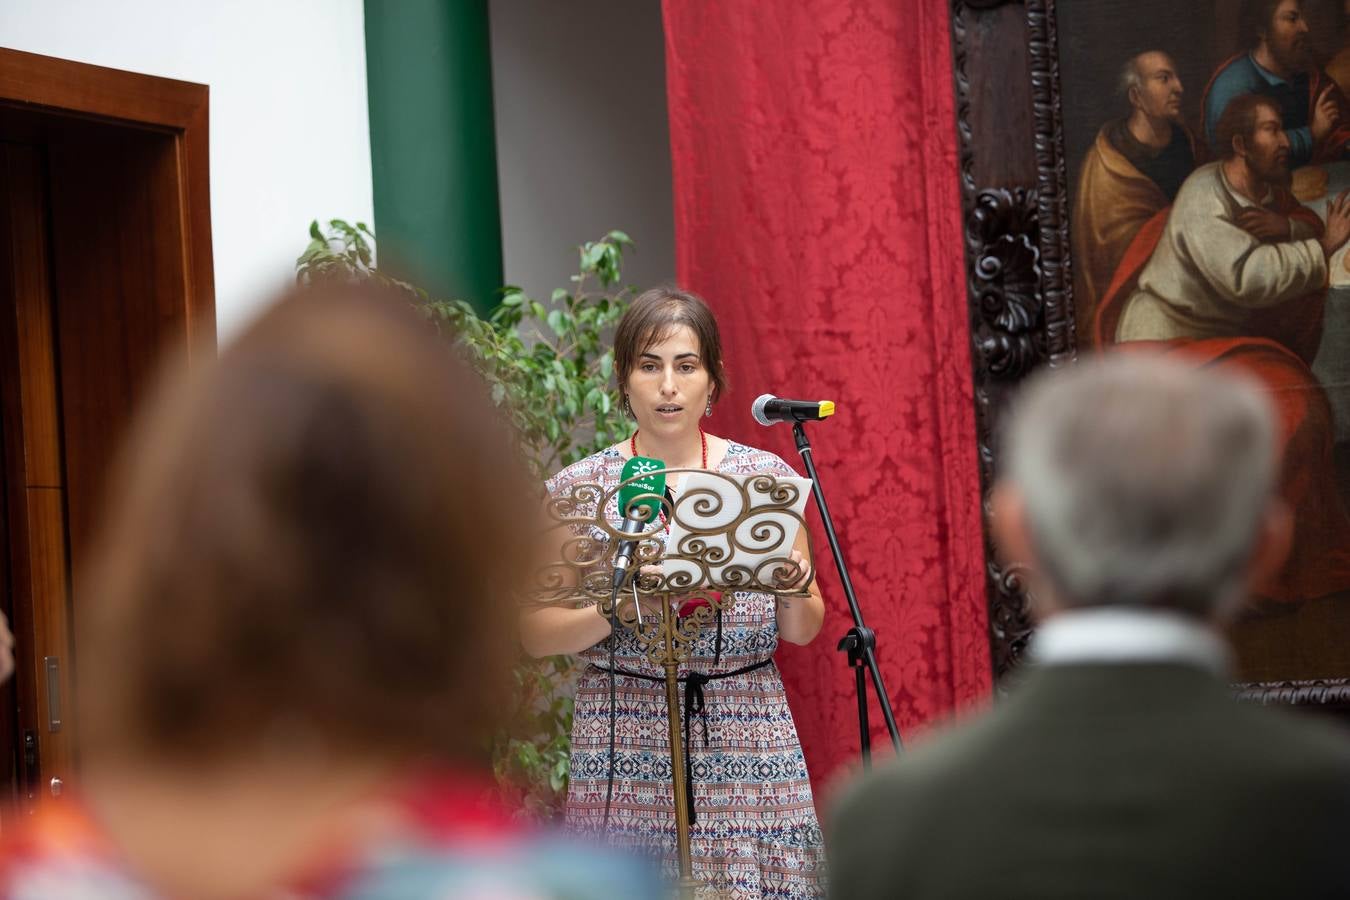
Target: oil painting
<point>1207,148</point>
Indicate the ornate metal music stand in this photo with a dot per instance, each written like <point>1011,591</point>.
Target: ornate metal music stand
<point>744,515</point>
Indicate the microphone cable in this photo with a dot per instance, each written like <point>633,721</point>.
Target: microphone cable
<point>613,641</point>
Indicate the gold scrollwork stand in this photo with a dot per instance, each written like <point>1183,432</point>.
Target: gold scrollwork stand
<point>745,515</point>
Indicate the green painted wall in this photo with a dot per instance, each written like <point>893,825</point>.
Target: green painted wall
<point>433,155</point>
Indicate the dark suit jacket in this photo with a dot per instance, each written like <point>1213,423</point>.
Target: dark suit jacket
<point>1105,781</point>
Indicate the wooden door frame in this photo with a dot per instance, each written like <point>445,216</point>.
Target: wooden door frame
<point>63,87</point>
<point>38,93</point>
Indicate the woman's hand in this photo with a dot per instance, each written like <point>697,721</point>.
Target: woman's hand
<point>6,649</point>
<point>795,572</point>
<point>799,616</point>
<point>648,604</point>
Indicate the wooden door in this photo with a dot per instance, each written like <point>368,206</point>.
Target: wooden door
<point>104,267</point>
<point>35,481</point>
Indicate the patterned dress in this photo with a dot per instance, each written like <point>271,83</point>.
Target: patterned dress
<point>756,833</point>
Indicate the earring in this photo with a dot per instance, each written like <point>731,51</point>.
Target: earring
<point>707,410</point>
<point>627,407</point>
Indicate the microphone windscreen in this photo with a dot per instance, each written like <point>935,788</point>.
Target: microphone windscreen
<point>649,483</point>
<point>757,409</point>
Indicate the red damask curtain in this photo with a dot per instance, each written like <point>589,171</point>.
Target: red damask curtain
<point>817,210</point>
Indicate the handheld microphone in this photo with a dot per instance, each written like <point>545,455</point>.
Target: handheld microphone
<point>768,409</point>
<point>637,514</point>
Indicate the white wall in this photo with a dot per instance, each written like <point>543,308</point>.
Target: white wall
<point>290,139</point>
<point>579,95</point>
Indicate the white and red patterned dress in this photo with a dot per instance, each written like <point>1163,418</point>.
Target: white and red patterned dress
<point>756,833</point>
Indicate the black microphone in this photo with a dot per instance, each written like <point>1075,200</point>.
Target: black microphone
<point>769,409</point>
<point>643,482</point>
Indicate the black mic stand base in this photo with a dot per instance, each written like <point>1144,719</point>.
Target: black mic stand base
<point>854,641</point>
<point>860,641</point>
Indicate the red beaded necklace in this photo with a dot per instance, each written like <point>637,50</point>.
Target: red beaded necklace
<point>703,439</point>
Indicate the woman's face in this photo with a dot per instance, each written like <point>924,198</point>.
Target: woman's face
<point>669,386</point>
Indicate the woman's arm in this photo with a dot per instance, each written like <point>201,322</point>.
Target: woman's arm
<point>800,617</point>
<point>553,631</point>
<point>558,630</point>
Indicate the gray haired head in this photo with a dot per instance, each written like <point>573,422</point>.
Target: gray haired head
<point>1144,481</point>
<point>1129,76</point>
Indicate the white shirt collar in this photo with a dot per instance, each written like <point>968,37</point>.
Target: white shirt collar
<point>1117,634</point>
<point>1240,198</point>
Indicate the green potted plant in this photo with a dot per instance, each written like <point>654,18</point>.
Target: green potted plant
<point>551,368</point>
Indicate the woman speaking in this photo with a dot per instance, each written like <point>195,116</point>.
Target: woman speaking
<point>755,832</point>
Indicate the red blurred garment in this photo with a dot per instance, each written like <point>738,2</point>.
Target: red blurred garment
<point>446,835</point>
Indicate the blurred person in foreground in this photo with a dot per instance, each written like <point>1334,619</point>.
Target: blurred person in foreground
<point>298,634</point>
<point>1142,496</point>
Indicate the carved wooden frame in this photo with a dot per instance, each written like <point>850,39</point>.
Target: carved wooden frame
<point>1019,269</point>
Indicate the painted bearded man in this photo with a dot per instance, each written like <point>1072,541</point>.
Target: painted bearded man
<point>1237,279</point>
<point>1132,172</point>
<point>1312,108</point>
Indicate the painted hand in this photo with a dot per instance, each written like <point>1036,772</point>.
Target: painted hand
<point>1263,224</point>
<point>1338,224</point>
<point>1326,114</point>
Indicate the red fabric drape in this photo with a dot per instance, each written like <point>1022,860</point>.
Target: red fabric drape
<point>817,210</point>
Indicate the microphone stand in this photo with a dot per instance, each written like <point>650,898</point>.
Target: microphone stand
<point>860,641</point>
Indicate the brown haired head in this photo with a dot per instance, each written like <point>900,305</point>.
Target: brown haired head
<point>652,317</point>
<point>1255,17</point>
<point>316,535</point>
<point>1239,121</point>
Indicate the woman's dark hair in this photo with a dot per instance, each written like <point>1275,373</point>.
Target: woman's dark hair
<point>317,534</point>
<point>654,315</point>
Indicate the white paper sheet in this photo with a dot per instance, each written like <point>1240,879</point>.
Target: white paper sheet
<point>762,536</point>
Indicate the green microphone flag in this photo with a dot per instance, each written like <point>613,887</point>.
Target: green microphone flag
<point>649,483</point>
